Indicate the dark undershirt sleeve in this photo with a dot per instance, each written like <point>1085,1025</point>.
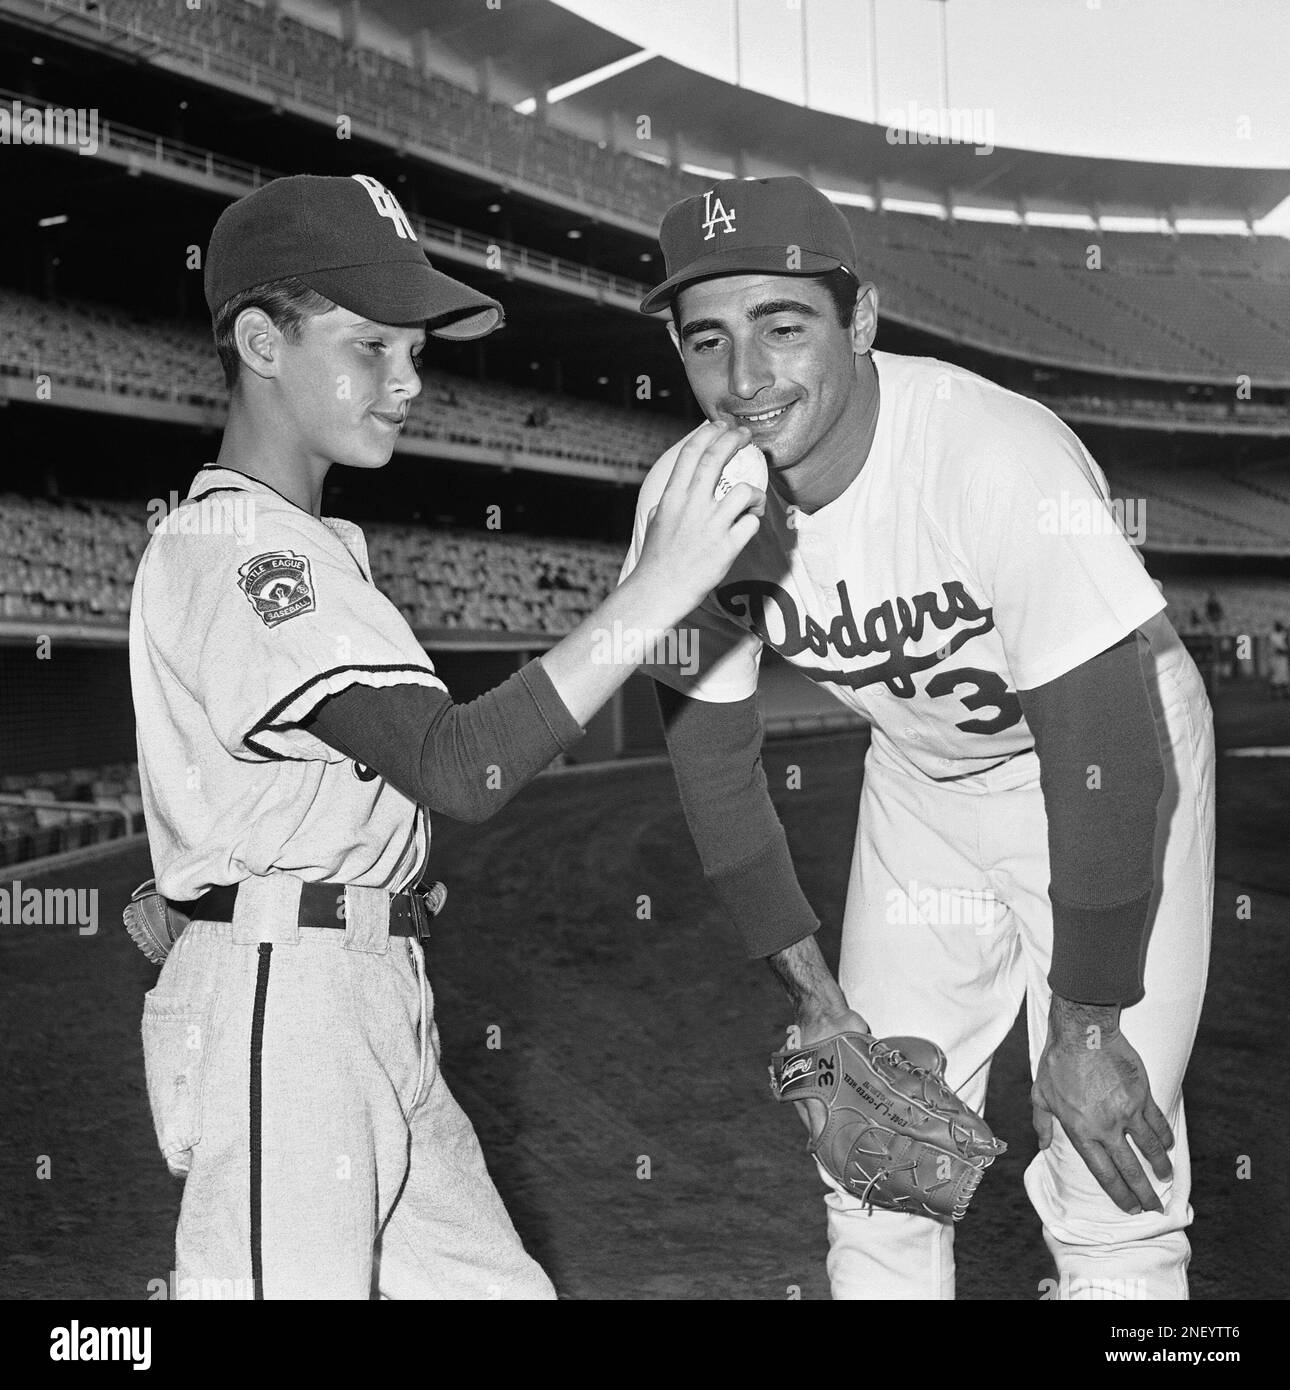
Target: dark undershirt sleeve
<point>716,756</point>
<point>464,761</point>
<point>1102,776</point>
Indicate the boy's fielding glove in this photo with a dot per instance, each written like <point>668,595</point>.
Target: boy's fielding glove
<point>896,1136</point>
<point>154,925</point>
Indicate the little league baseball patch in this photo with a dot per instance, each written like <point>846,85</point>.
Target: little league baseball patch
<point>278,585</point>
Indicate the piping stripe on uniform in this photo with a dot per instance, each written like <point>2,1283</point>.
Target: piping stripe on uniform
<point>257,1104</point>
<point>250,477</point>
<point>211,491</point>
<point>267,720</point>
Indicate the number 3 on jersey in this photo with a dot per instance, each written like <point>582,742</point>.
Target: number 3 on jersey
<point>990,692</point>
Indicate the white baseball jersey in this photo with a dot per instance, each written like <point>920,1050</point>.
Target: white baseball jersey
<point>973,555</point>
<point>247,613</point>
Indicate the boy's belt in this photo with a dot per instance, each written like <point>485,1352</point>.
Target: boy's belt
<point>410,913</point>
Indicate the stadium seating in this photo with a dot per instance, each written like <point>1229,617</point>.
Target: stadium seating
<point>97,348</point>
<point>1151,307</point>
<point>507,417</point>
<point>1213,410</point>
<point>486,583</point>
<point>75,561</point>
<point>72,562</point>
<point>56,811</point>
<point>294,59</point>
<point>1185,308</point>
<point>1249,606</point>
<point>1200,510</point>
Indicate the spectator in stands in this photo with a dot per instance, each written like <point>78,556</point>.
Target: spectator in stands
<point>1222,650</point>
<point>1279,666</point>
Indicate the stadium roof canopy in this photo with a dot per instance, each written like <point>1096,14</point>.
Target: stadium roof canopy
<point>528,47</point>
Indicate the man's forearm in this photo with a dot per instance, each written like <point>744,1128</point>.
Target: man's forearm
<point>808,982</point>
<point>716,756</point>
<point>1071,1024</point>
<point>1102,775</point>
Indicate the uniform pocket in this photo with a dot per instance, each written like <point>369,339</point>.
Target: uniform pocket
<point>176,1044</point>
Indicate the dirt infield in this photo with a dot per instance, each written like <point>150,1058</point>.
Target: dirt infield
<point>624,1039</point>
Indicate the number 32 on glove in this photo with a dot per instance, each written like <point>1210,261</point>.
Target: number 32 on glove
<point>896,1136</point>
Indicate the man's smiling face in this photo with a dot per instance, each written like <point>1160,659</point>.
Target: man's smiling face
<point>768,352</point>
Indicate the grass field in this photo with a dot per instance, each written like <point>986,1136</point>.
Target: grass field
<point>624,1038</point>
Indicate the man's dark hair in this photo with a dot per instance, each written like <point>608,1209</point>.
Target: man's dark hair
<point>843,289</point>
<point>288,303</point>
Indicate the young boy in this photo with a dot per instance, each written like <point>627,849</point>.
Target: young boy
<point>293,738</point>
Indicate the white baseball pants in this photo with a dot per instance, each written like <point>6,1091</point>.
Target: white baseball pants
<point>913,963</point>
<point>335,1164</point>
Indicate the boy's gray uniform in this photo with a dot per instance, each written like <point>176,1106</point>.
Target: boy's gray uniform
<point>342,1156</point>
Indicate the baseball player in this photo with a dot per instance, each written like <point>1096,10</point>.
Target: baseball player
<point>294,739</point>
<point>1036,820</point>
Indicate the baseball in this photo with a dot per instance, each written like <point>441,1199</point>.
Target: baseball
<point>747,466</point>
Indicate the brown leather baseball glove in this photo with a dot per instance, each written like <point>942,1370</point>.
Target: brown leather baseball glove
<point>896,1136</point>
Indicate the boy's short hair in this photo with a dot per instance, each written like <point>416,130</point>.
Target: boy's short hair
<point>843,289</point>
<point>288,303</point>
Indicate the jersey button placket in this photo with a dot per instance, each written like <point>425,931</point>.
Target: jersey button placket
<point>821,566</point>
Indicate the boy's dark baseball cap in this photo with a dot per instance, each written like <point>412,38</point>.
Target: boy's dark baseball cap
<point>781,226</point>
<point>349,239</point>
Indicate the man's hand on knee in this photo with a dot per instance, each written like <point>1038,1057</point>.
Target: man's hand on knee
<point>1092,1081</point>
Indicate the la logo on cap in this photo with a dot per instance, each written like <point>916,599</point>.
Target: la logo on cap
<point>387,205</point>
<point>716,212</point>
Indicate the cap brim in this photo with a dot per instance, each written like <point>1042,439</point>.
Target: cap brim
<point>410,293</point>
<point>745,260</point>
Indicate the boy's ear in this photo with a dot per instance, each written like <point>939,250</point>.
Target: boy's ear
<point>676,338</point>
<point>258,341</point>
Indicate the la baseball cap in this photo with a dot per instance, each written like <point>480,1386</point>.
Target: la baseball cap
<point>779,226</point>
<point>349,239</point>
